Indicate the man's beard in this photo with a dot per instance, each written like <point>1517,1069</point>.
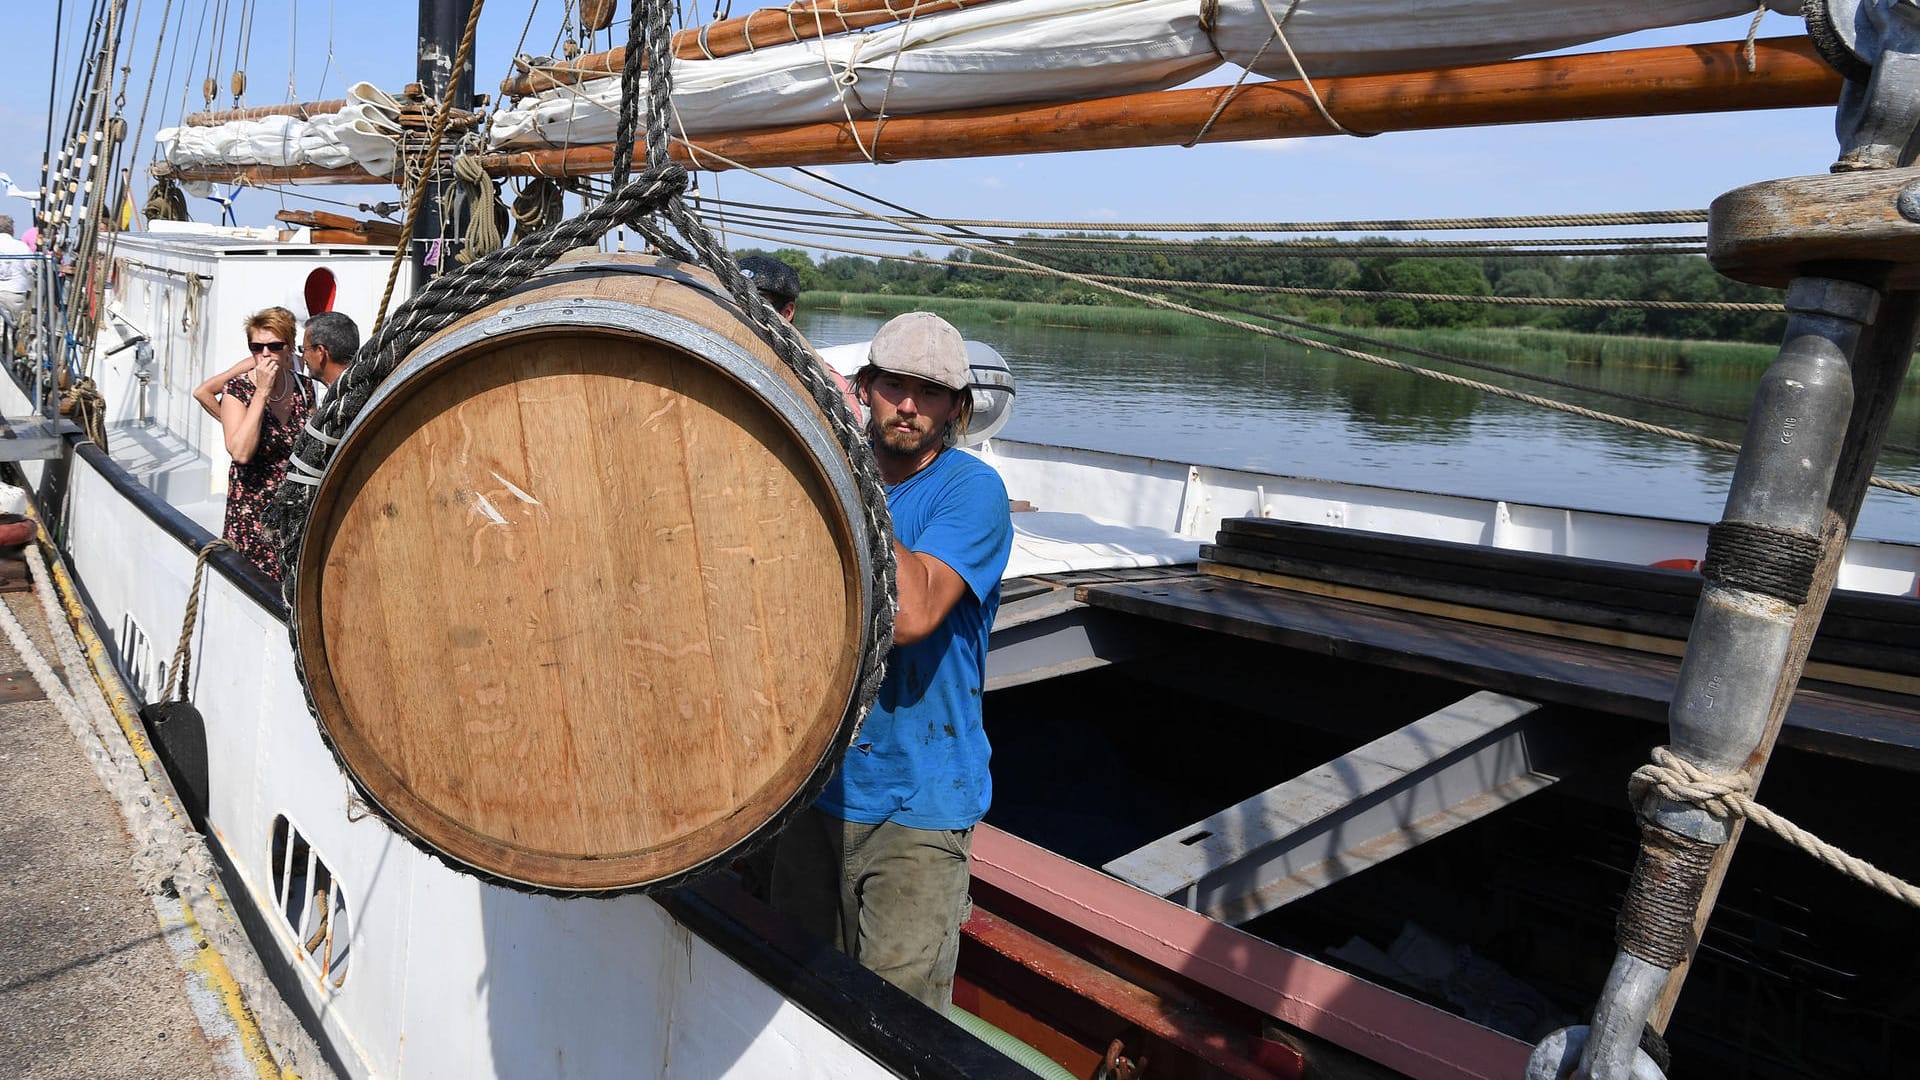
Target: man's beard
<point>892,440</point>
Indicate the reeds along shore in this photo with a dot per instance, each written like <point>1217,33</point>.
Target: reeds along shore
<point>1508,344</point>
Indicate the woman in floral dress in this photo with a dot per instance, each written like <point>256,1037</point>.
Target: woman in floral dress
<point>261,412</point>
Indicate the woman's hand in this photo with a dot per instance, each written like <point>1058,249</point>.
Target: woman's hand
<point>266,375</point>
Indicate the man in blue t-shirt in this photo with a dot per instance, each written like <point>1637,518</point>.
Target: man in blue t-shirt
<point>878,865</point>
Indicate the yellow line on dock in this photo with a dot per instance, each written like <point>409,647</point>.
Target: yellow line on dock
<point>207,963</point>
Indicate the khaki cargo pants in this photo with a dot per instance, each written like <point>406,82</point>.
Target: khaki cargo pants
<point>891,897</point>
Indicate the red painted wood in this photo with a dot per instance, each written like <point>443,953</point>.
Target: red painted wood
<point>1406,1035</point>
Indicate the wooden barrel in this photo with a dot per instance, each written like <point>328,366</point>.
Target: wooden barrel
<point>582,593</point>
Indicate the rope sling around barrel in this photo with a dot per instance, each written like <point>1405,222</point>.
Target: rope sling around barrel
<point>580,602</point>
<point>633,603</point>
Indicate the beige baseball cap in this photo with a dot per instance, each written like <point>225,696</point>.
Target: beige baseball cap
<point>923,345</point>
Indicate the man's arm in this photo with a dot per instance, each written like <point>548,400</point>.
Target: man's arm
<point>928,590</point>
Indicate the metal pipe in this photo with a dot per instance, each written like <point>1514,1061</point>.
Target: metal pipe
<point>1741,640</point>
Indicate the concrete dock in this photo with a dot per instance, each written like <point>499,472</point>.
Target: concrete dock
<point>91,980</point>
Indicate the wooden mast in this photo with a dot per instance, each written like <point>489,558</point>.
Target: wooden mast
<point>1669,80</point>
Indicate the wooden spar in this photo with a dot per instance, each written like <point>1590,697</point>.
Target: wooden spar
<point>260,175</point>
<point>1662,81</point>
<point>302,110</point>
<point>1639,82</point>
<point>804,20</point>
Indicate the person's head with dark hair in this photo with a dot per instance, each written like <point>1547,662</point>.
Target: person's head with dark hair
<point>6,224</point>
<point>329,345</point>
<point>777,282</point>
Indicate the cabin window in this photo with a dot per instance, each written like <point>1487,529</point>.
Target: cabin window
<point>321,289</point>
<point>312,903</point>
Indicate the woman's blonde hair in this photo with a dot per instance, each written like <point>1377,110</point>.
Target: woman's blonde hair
<point>275,320</point>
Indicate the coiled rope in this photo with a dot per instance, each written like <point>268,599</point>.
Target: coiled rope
<point>83,402</point>
<point>484,210</point>
<point>1725,795</point>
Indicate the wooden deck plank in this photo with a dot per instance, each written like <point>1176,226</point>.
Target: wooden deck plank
<point>1862,725</point>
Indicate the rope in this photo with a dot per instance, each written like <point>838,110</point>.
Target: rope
<point>484,209</point>
<point>83,402</point>
<point>541,204</point>
<point>1669,879</point>
<point>1762,559</point>
<point>166,202</point>
<point>1534,221</point>
<point>1724,795</point>
<point>178,675</point>
<point>460,61</point>
<point>1727,306</point>
<point>457,295</point>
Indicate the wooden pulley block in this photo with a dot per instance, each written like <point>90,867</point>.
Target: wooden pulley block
<point>596,14</point>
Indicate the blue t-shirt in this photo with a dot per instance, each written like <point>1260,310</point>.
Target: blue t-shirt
<point>921,758</point>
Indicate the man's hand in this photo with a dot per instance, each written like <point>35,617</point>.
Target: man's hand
<point>928,591</point>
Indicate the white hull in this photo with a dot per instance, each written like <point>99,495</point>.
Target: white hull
<point>432,973</point>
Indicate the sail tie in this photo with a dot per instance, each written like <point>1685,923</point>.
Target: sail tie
<point>1725,795</point>
<point>1209,10</point>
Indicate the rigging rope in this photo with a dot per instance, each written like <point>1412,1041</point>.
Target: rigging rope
<point>1739,307</point>
<point>460,60</point>
<point>1295,339</point>
<point>1725,795</point>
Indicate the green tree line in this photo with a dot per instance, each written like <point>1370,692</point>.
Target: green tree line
<point>1356,266</point>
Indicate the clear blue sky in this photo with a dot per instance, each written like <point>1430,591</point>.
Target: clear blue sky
<point>1590,166</point>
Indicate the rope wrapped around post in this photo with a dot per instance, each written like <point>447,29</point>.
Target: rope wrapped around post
<point>1727,796</point>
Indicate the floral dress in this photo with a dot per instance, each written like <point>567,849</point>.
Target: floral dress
<point>250,486</point>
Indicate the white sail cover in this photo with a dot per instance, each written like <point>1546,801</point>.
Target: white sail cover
<point>1007,52</point>
<point>1016,51</point>
<point>365,133</point>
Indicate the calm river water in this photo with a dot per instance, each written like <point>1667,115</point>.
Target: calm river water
<point>1258,404</point>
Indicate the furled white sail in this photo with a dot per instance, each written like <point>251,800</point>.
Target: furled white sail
<point>365,133</point>
<point>1061,50</point>
<point>993,54</point>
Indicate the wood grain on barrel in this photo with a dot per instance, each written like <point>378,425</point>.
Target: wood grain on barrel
<point>577,607</point>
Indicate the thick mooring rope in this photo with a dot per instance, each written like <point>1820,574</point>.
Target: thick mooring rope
<point>179,674</point>
<point>1724,795</point>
